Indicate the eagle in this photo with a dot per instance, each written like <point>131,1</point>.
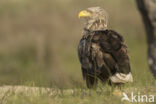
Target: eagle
<point>102,52</point>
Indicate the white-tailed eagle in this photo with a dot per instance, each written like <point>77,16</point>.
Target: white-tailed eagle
<point>102,52</point>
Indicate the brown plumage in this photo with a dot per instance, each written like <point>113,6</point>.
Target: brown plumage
<point>102,53</point>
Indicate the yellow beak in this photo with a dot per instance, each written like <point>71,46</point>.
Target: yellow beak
<point>84,13</point>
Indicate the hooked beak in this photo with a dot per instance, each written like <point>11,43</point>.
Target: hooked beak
<point>84,13</point>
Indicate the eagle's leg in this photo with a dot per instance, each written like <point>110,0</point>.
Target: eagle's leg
<point>91,81</point>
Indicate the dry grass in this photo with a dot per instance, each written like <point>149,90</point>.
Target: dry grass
<point>40,95</point>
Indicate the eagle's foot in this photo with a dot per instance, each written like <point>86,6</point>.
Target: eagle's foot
<point>117,93</point>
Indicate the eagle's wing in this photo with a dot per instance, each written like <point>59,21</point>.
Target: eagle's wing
<point>115,55</point>
<point>85,57</point>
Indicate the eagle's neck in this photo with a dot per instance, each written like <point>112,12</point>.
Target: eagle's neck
<point>95,25</point>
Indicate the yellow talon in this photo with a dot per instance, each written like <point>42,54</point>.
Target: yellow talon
<point>117,93</point>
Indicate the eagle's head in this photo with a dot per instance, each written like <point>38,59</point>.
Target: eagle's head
<point>96,18</point>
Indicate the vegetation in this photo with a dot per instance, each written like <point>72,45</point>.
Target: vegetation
<point>38,47</point>
<point>36,95</point>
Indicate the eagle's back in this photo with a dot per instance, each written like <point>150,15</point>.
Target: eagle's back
<point>104,55</point>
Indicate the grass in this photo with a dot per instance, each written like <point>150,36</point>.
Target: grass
<point>36,95</point>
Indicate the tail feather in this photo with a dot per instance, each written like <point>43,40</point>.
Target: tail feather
<point>121,78</point>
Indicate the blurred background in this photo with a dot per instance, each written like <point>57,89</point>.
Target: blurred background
<point>39,38</point>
